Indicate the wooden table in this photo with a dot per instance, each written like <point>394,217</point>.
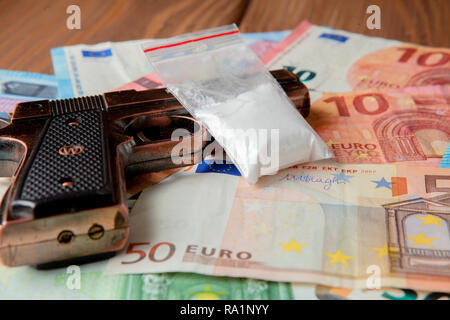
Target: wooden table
<point>30,28</point>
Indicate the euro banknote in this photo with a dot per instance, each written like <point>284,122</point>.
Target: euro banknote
<point>18,86</point>
<point>89,282</point>
<point>336,61</point>
<point>408,125</point>
<point>325,223</point>
<point>29,283</point>
<point>385,126</point>
<point>92,69</point>
<point>445,162</point>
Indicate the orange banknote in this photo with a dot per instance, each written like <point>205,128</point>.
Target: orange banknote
<point>345,225</point>
<point>385,126</point>
<point>337,61</point>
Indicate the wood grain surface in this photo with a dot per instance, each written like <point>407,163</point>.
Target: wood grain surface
<point>30,28</point>
<point>420,21</point>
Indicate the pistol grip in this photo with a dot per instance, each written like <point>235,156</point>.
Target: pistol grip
<point>68,171</point>
<point>65,200</point>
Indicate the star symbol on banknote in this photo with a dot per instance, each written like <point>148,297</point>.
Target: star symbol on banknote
<point>293,245</point>
<point>208,294</point>
<point>409,101</point>
<point>339,257</point>
<point>421,239</point>
<point>255,205</point>
<point>342,177</point>
<point>383,251</point>
<point>362,155</point>
<point>430,219</point>
<point>220,168</point>
<point>363,77</point>
<point>382,183</point>
<point>330,143</point>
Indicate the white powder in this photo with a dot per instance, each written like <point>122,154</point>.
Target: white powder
<point>224,85</point>
<point>239,125</point>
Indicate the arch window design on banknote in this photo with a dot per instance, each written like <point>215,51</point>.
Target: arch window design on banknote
<point>385,126</point>
<point>405,135</point>
<point>419,229</point>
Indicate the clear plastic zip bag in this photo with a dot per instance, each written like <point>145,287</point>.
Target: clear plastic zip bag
<point>224,85</point>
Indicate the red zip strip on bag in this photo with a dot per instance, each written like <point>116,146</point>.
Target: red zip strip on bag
<point>193,40</point>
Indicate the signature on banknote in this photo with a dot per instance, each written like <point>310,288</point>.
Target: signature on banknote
<point>326,181</point>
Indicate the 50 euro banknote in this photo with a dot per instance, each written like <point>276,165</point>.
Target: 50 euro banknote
<point>337,61</point>
<point>89,282</point>
<point>324,223</point>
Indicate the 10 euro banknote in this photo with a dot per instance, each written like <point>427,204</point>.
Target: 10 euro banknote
<point>337,61</point>
<point>385,126</point>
